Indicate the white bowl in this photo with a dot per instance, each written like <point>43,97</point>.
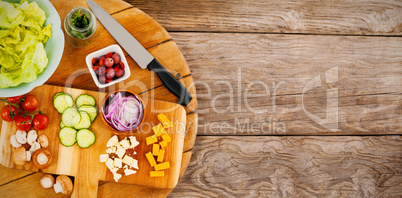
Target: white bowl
<point>54,49</point>
<point>111,48</point>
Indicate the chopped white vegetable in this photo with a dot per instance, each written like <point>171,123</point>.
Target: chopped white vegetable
<point>134,164</point>
<point>112,141</point>
<point>103,157</point>
<point>118,163</point>
<point>120,151</point>
<point>128,172</point>
<point>109,163</point>
<point>116,176</point>
<point>125,144</point>
<point>133,142</point>
<point>127,160</point>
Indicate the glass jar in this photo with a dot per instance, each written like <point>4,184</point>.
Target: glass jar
<point>80,26</point>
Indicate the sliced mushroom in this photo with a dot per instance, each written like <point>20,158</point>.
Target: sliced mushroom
<point>47,181</point>
<point>42,158</point>
<point>20,156</point>
<point>32,136</point>
<point>63,185</point>
<point>29,155</point>
<point>44,142</point>
<point>21,137</point>
<point>14,142</point>
<point>35,146</point>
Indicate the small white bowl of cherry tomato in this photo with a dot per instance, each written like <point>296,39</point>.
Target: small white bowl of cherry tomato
<point>108,66</point>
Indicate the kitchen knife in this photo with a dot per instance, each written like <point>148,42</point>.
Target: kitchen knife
<point>140,55</point>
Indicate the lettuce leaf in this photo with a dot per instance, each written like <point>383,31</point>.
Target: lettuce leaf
<point>22,39</point>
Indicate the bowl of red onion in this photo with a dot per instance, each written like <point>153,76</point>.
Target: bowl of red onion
<point>123,111</point>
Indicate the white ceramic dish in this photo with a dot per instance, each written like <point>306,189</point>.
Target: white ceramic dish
<point>54,49</point>
<point>111,48</point>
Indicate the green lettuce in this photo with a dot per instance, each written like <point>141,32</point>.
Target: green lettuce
<point>22,39</point>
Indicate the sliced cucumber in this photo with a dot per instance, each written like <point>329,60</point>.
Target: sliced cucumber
<point>85,138</point>
<point>70,117</point>
<point>62,125</point>
<point>62,101</point>
<point>90,110</point>
<point>85,121</point>
<point>67,136</point>
<point>85,99</point>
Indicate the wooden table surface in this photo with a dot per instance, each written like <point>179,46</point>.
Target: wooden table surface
<point>295,98</point>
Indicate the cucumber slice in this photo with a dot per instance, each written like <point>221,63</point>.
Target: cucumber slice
<point>58,94</point>
<point>85,138</point>
<point>62,125</point>
<point>85,99</point>
<point>62,101</point>
<point>67,136</point>
<point>85,121</point>
<point>90,110</point>
<point>70,117</point>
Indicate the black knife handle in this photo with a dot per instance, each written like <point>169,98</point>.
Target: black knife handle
<point>171,83</point>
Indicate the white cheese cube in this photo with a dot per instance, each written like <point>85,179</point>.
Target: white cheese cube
<point>103,157</point>
<point>127,160</point>
<point>120,151</point>
<point>109,163</point>
<point>116,176</point>
<point>125,144</point>
<point>114,149</point>
<point>128,172</point>
<point>112,141</point>
<point>109,150</point>
<point>118,163</point>
<point>134,164</point>
<point>133,142</point>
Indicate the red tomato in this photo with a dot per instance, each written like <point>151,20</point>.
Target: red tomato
<point>8,113</point>
<point>40,121</point>
<point>31,103</point>
<point>15,99</point>
<point>23,123</point>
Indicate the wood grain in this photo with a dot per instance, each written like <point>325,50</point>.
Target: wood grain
<point>358,17</point>
<point>307,166</point>
<point>273,70</point>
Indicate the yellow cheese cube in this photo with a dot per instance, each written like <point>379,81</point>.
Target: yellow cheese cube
<point>162,166</point>
<point>160,155</point>
<point>151,159</point>
<point>162,118</point>
<point>166,138</point>
<point>157,130</point>
<point>167,124</point>
<point>163,143</point>
<point>151,139</point>
<point>157,173</point>
<point>155,149</point>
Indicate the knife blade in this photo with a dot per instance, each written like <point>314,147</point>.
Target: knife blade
<point>140,55</point>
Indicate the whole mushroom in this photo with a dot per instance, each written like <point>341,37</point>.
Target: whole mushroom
<point>20,156</point>
<point>47,181</point>
<point>43,140</point>
<point>63,185</point>
<point>42,158</point>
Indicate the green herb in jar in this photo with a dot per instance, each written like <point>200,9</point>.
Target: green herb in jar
<point>80,20</point>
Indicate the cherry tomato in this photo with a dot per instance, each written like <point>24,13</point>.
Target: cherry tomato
<point>40,121</point>
<point>109,62</point>
<point>8,113</point>
<point>120,73</point>
<point>108,55</point>
<point>93,61</point>
<point>31,103</point>
<point>15,99</point>
<point>23,122</point>
<point>102,79</point>
<point>116,58</point>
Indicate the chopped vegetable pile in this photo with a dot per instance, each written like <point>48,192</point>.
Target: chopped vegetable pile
<point>22,39</point>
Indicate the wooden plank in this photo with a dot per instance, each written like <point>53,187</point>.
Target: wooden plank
<point>9,175</point>
<point>307,166</point>
<point>63,7</point>
<point>226,67</point>
<point>357,17</point>
<point>28,187</point>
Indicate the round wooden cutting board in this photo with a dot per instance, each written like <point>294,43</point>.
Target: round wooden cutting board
<point>73,72</point>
